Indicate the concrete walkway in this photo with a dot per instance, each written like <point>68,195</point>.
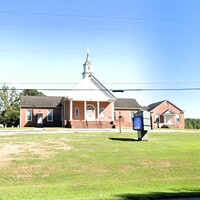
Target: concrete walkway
<point>15,131</point>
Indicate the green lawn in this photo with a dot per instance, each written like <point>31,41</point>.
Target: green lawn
<point>99,166</point>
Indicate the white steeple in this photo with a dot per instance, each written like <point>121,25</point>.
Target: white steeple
<point>87,67</point>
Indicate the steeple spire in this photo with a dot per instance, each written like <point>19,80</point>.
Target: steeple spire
<point>87,66</point>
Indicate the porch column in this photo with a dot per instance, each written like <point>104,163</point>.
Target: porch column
<point>85,110</point>
<point>112,110</point>
<point>63,114</point>
<point>71,110</point>
<point>97,110</point>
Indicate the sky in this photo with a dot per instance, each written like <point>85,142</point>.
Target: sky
<point>133,44</point>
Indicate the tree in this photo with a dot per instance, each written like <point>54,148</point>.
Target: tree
<point>192,123</point>
<point>31,92</point>
<point>9,106</point>
<point>188,124</point>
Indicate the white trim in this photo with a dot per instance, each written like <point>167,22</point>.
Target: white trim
<point>131,116</point>
<point>177,116</point>
<point>112,110</point>
<point>27,115</point>
<point>42,117</point>
<point>64,114</point>
<point>114,116</point>
<point>71,110</point>
<point>85,111</point>
<point>102,113</point>
<point>98,110</point>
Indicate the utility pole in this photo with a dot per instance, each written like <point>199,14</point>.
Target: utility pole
<point>120,130</point>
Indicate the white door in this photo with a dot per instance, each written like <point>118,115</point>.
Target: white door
<point>40,118</point>
<point>90,113</point>
<point>168,119</point>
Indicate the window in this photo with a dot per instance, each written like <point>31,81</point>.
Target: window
<point>157,118</point>
<point>132,115</point>
<point>76,112</point>
<point>177,118</point>
<point>102,113</point>
<point>29,115</point>
<point>50,115</point>
<point>115,116</point>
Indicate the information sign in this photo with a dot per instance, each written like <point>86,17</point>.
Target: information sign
<point>137,123</point>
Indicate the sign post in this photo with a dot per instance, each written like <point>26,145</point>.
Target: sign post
<point>142,123</point>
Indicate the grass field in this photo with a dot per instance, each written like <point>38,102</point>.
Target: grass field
<point>99,166</point>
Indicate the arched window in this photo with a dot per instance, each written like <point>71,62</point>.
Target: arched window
<point>77,112</point>
<point>90,107</point>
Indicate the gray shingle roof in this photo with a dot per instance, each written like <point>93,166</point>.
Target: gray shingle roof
<point>40,101</point>
<point>122,103</point>
<point>154,105</point>
<point>52,101</point>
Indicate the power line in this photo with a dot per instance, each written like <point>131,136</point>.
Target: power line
<point>112,90</point>
<point>98,17</point>
<point>63,52</point>
<point>100,29</point>
<point>108,83</point>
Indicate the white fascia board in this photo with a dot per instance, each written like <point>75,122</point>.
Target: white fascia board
<point>88,89</point>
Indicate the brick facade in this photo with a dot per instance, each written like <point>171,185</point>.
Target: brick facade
<point>56,122</point>
<point>104,120</point>
<point>169,115</point>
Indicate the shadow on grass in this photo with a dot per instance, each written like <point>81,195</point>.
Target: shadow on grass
<point>160,196</point>
<point>124,139</point>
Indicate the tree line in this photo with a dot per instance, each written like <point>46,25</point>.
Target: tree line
<point>9,104</point>
<point>191,123</point>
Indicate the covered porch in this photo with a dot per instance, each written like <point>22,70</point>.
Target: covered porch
<point>168,119</point>
<point>88,114</point>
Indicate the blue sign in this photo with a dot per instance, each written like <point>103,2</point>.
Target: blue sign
<point>138,123</point>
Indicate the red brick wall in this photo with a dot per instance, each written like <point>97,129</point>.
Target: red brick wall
<point>164,107</point>
<point>107,111</point>
<point>125,119</point>
<point>56,117</point>
<point>91,124</point>
<point>80,104</point>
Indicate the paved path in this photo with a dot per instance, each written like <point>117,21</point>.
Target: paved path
<point>15,131</point>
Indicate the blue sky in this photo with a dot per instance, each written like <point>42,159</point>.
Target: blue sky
<point>133,44</point>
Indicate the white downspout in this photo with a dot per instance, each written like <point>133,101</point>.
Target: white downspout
<point>85,110</point>
<point>71,110</point>
<point>97,110</point>
<point>112,108</point>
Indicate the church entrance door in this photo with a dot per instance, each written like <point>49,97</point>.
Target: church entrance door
<point>90,113</point>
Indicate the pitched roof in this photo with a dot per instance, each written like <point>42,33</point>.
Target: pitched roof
<point>40,101</point>
<point>90,89</point>
<point>154,105</point>
<point>168,112</point>
<point>123,103</point>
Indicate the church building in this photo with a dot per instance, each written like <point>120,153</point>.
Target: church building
<point>87,105</point>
